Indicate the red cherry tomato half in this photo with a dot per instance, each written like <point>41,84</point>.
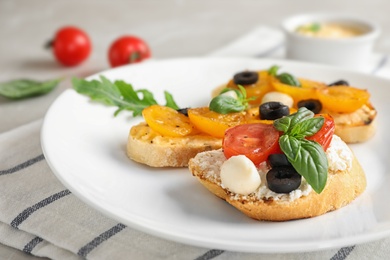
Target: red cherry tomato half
<point>255,141</point>
<point>128,49</point>
<point>325,134</point>
<point>71,46</point>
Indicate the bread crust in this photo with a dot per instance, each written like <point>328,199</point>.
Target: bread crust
<point>340,190</point>
<point>148,147</point>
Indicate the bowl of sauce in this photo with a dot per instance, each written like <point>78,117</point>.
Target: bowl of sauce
<point>336,39</point>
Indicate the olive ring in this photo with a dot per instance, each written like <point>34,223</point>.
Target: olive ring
<point>246,78</point>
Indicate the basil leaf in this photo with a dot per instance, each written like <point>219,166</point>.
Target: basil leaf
<point>24,88</point>
<point>312,164</point>
<point>238,92</point>
<point>290,146</point>
<point>273,70</point>
<point>288,79</point>
<point>242,93</point>
<point>308,127</point>
<point>302,114</point>
<point>225,104</point>
<point>283,124</point>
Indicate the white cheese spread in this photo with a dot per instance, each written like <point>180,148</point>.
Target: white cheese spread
<point>339,159</point>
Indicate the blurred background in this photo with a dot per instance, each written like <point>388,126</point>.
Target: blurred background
<point>172,28</point>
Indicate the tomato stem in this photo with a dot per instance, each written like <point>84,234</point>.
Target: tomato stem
<point>49,44</point>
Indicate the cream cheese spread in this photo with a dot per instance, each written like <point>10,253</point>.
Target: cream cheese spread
<point>339,157</point>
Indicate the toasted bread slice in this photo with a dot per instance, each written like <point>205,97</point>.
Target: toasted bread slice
<point>355,127</point>
<point>342,187</point>
<point>149,147</point>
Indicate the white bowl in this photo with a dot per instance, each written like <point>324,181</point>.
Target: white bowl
<point>352,52</point>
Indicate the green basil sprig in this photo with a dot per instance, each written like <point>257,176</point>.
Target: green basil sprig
<point>285,78</point>
<point>119,94</point>
<point>225,104</point>
<point>24,88</point>
<point>307,157</point>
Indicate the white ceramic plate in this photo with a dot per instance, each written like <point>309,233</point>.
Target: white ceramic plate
<point>85,147</point>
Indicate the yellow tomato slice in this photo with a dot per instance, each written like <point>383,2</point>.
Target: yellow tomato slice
<point>307,90</point>
<point>343,99</point>
<point>213,123</point>
<point>258,89</point>
<point>167,121</point>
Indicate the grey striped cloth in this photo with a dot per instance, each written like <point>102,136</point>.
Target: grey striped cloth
<point>39,216</point>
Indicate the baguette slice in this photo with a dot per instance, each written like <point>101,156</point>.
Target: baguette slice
<point>149,147</point>
<point>355,127</point>
<point>342,187</point>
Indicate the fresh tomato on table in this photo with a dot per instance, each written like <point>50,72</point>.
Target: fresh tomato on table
<point>71,46</point>
<point>128,49</point>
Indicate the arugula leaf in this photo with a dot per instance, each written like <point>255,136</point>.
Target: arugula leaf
<point>307,157</point>
<point>119,94</point>
<point>24,88</point>
<point>170,101</point>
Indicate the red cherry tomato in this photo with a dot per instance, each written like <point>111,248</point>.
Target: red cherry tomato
<point>325,134</point>
<point>71,46</point>
<point>128,49</point>
<point>255,141</point>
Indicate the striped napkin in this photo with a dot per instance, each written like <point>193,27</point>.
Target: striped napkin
<point>39,216</point>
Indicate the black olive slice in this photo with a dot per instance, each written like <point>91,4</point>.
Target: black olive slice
<point>246,78</point>
<point>313,105</point>
<point>278,159</point>
<point>183,111</point>
<point>340,82</point>
<point>283,179</point>
<point>273,110</point>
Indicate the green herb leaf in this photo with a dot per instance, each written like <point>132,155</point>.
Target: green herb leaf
<point>170,101</point>
<point>307,157</point>
<point>288,79</point>
<point>302,114</point>
<point>311,163</point>
<point>283,124</point>
<point>119,94</point>
<point>273,71</point>
<point>290,146</point>
<point>314,27</point>
<point>308,127</point>
<point>24,88</point>
<point>225,104</point>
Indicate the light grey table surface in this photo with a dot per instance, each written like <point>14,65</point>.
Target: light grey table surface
<point>173,28</point>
